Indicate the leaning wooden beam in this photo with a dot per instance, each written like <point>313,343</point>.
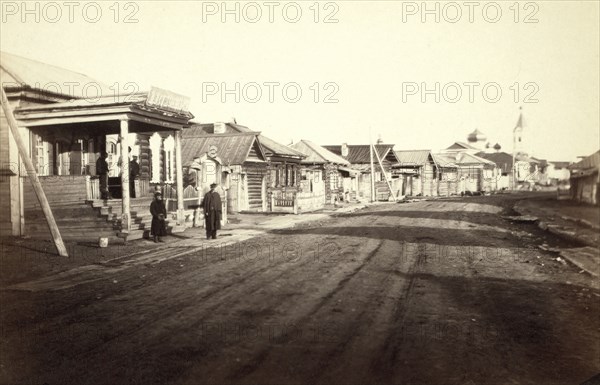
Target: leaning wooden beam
<point>37,186</point>
<point>383,171</point>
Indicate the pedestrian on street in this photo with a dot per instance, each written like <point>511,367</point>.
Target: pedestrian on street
<point>159,213</point>
<point>134,171</point>
<point>102,172</point>
<point>211,204</point>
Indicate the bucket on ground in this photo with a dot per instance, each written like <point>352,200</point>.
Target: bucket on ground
<point>103,241</point>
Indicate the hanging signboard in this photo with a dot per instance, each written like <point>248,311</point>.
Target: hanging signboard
<point>167,101</point>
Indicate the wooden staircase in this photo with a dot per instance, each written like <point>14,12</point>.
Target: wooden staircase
<point>92,220</point>
<point>141,219</point>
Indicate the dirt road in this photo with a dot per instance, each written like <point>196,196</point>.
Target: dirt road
<point>431,292</point>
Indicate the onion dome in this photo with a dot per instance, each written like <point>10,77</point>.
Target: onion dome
<point>497,147</point>
<point>476,136</point>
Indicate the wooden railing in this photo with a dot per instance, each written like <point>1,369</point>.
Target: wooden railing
<point>92,188</point>
<point>284,201</point>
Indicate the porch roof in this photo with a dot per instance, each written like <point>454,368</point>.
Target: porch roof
<point>110,108</point>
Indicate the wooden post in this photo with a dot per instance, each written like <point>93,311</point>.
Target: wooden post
<point>179,176</point>
<point>126,215</point>
<point>373,197</point>
<point>295,203</point>
<point>383,171</point>
<point>37,186</point>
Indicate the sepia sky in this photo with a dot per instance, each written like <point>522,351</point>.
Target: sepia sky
<point>370,65</point>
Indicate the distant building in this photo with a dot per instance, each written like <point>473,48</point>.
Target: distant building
<point>326,173</point>
<point>585,179</point>
<point>359,157</point>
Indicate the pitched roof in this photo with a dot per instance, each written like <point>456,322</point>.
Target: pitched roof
<point>360,153</point>
<point>502,159</point>
<point>413,157</point>
<point>19,73</point>
<point>444,161</point>
<point>271,147</point>
<point>461,146</point>
<point>462,159</point>
<point>232,148</point>
<point>591,162</point>
<point>560,164</point>
<point>317,154</point>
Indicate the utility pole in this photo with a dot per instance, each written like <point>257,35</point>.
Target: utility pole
<point>373,199</point>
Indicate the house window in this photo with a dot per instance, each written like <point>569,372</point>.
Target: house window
<point>42,156</point>
<point>155,145</point>
<point>169,160</point>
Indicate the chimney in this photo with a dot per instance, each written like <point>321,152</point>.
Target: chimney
<point>344,149</point>
<point>219,128</point>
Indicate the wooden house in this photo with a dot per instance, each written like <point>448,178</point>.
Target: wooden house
<point>327,173</point>
<point>236,161</point>
<point>280,177</point>
<point>474,174</point>
<point>585,179</point>
<point>418,171</point>
<point>359,157</point>
<point>504,164</point>
<point>65,134</point>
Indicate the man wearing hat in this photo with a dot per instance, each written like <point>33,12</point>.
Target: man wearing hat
<point>211,204</point>
<point>159,213</point>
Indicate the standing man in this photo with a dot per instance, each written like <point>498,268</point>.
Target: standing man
<point>102,172</point>
<point>211,205</point>
<point>159,212</point>
<point>134,171</point>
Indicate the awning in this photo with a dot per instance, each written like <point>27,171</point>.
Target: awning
<point>348,170</point>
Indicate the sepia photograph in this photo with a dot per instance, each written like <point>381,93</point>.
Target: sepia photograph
<point>300,192</point>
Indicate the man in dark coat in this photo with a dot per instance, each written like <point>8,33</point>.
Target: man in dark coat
<point>159,213</point>
<point>134,171</point>
<point>211,204</point>
<point>102,172</point>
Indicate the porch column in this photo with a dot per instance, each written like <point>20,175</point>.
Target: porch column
<point>126,216</point>
<point>179,176</point>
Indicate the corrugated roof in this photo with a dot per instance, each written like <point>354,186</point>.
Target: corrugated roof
<point>317,154</point>
<point>21,73</point>
<point>413,157</point>
<point>360,153</point>
<point>232,148</point>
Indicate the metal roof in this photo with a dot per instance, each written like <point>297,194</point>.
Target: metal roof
<point>317,154</point>
<point>360,153</point>
<point>413,157</point>
<point>19,73</point>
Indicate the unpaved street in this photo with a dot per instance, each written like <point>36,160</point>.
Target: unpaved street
<point>431,292</point>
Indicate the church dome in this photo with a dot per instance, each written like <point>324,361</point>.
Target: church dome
<point>476,136</point>
<point>497,147</point>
